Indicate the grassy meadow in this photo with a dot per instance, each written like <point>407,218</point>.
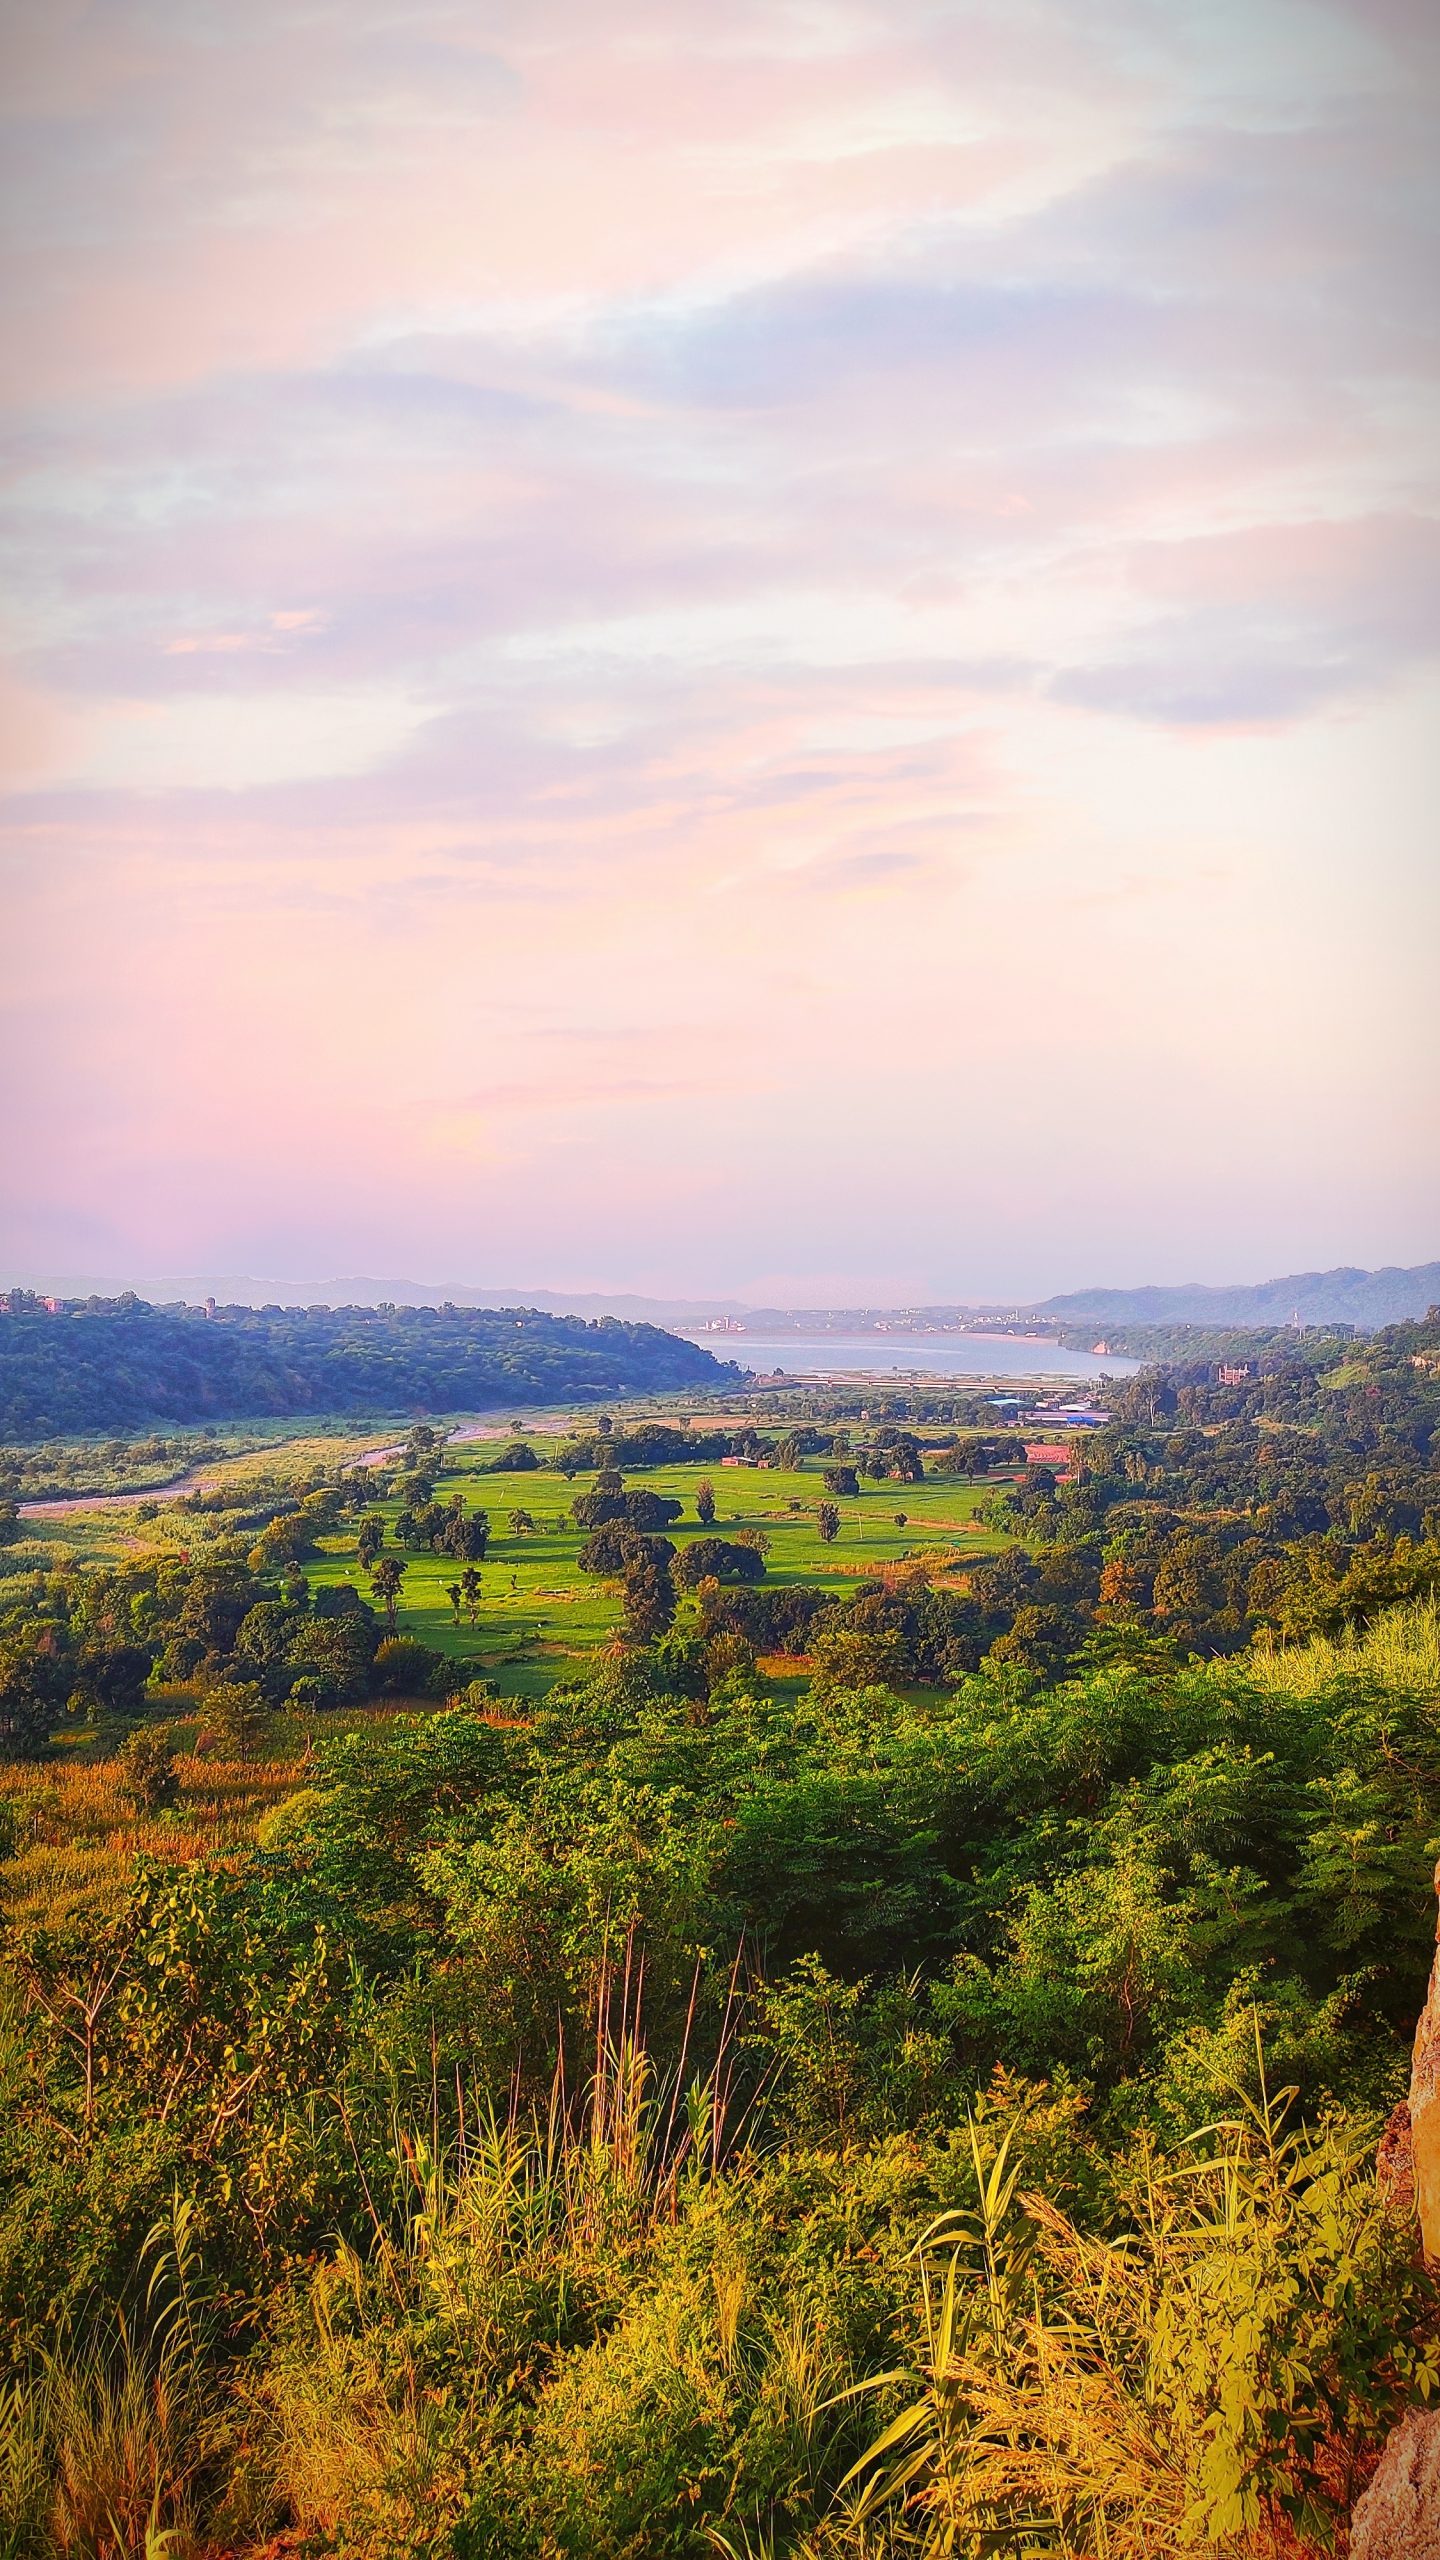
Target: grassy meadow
<point>539,1617</point>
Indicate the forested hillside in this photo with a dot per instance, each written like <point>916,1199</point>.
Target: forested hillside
<point>107,1364</point>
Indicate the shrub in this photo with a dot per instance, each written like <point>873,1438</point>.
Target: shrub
<point>406,1668</point>
<point>1199,2380</point>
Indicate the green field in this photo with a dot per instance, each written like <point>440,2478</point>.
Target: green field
<point>539,1616</point>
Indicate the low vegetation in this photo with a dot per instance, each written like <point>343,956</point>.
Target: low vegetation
<point>801,2061</point>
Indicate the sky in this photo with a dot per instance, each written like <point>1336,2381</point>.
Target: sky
<point>785,651</point>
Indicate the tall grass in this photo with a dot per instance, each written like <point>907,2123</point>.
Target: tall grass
<point>1206,2381</point>
<point>1398,1649</point>
<point>77,1835</point>
<point>395,2363</point>
<point>114,2446</point>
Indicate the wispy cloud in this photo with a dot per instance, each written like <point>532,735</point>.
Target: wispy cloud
<point>877,558</point>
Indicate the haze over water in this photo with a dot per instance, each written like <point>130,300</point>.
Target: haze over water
<point>952,1355</point>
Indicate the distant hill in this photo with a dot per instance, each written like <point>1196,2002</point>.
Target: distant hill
<point>1366,1299</point>
<point>1345,1296</point>
<point>106,1365</point>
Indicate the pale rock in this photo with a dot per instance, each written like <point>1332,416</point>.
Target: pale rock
<point>1425,2115</point>
<point>1398,2518</point>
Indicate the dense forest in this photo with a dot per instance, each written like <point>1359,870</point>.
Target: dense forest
<point>847,2073</point>
<point>102,1364</point>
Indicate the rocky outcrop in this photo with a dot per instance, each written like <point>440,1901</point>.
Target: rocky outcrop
<point>1425,2116</point>
<point>1398,2518</point>
<point>1394,2161</point>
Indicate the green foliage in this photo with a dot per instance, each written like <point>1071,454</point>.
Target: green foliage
<point>234,1718</point>
<point>147,1765</point>
<point>1180,2384</point>
<point>555,2101</point>
<point>720,1560</point>
<point>113,1363</point>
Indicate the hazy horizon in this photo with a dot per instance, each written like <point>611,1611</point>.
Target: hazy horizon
<point>789,654</point>
<point>368,1288</point>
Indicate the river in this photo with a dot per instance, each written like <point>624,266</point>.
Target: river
<point>939,1355</point>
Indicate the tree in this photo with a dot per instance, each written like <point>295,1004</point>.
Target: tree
<point>522,1524</point>
<point>857,1658</point>
<point>33,1683</point>
<point>406,1668</point>
<point>704,1502</point>
<point>605,1501</point>
<point>649,1592</point>
<point>827,1521</point>
<point>147,1769</point>
<point>649,1511</point>
<point>386,1576</point>
<point>234,1717</point>
<point>842,1480</point>
<point>470,1591</point>
<point>371,1539</point>
<point>610,1547</point>
<point>454,1595</point>
<point>723,1559</point>
<point>465,1535</point>
<point>331,1651</point>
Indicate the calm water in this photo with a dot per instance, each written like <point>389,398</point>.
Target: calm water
<point>940,1355</point>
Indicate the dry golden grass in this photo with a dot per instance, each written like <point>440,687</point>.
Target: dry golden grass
<point>79,1836</point>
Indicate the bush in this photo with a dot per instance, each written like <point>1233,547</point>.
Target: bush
<point>406,1668</point>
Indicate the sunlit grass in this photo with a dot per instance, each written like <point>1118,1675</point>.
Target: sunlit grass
<point>78,1835</point>
<point>1400,1649</point>
<point>541,1618</point>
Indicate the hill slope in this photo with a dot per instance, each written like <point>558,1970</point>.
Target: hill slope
<point>1344,1296</point>
<point>110,1365</point>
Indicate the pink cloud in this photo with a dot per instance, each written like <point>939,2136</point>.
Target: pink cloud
<point>717,629</point>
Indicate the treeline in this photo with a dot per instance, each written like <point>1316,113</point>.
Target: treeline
<point>82,1649</point>
<point>50,1470</point>
<point>106,1364</point>
<point>236,1619</point>
<point>1288,1503</point>
<point>1293,1501</point>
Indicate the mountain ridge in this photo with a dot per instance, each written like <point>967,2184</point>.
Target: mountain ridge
<point>1367,1299</point>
